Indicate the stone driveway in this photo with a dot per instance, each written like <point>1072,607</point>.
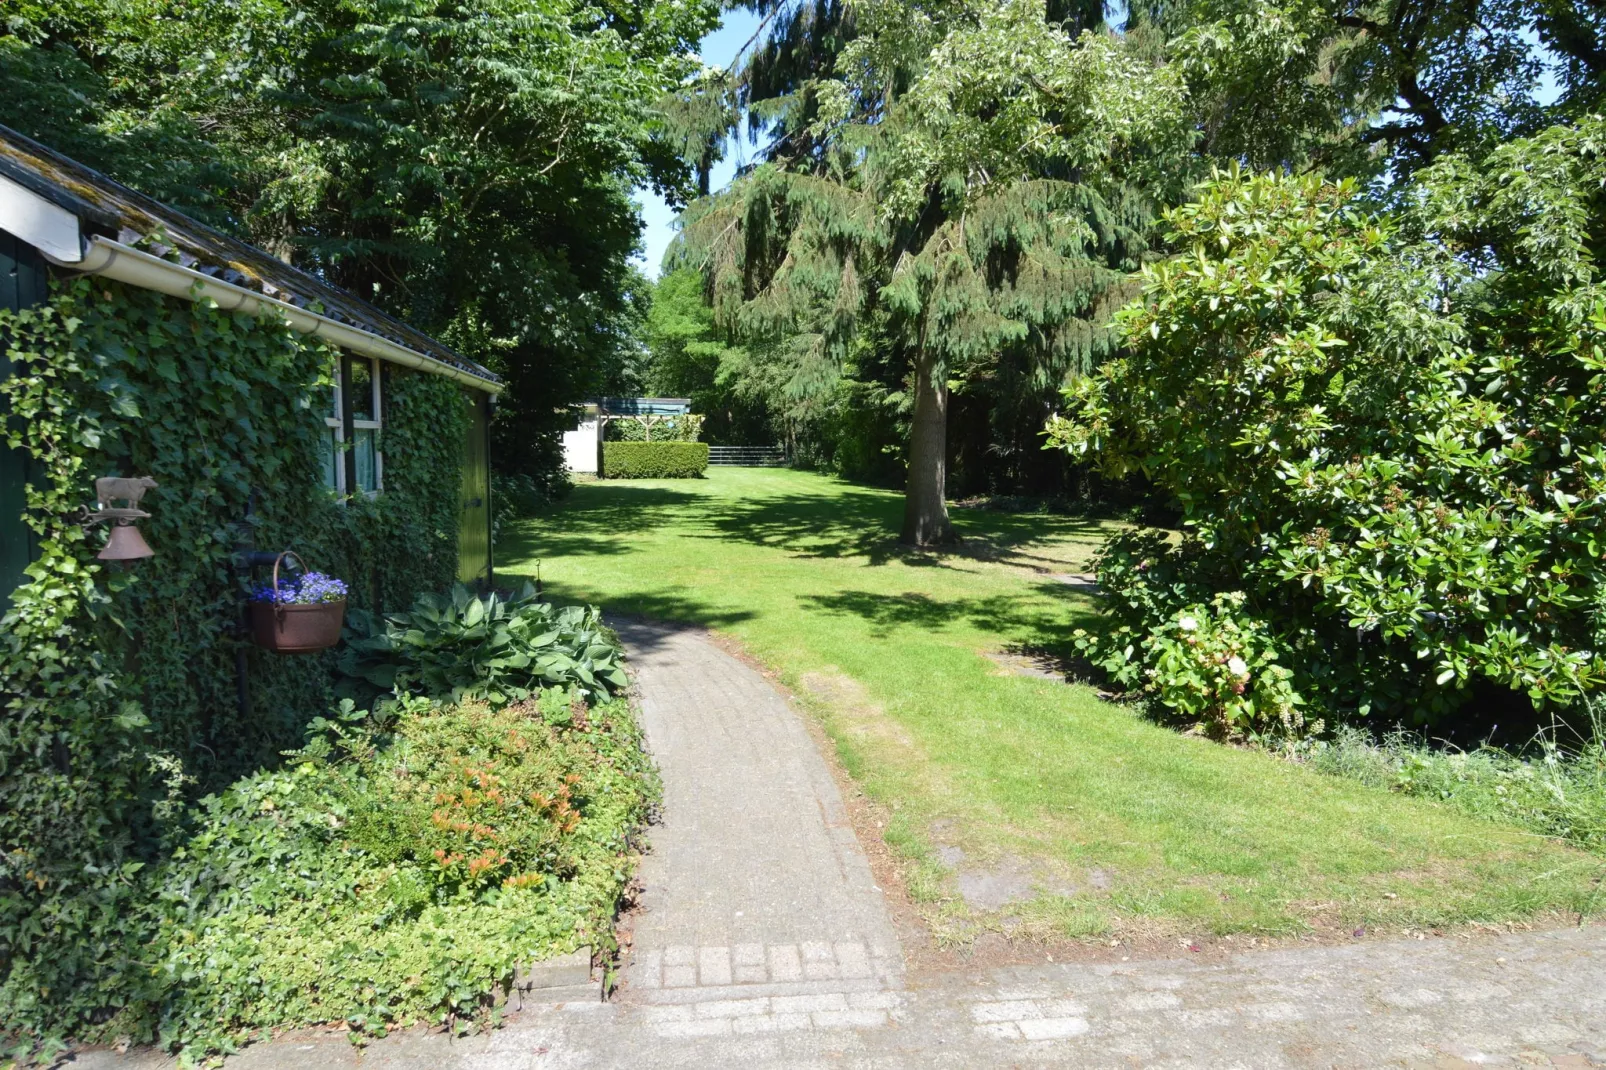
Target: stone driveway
<point>763,942</point>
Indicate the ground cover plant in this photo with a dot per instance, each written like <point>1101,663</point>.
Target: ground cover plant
<point>1128,826</point>
<point>395,869</point>
<point>120,684</point>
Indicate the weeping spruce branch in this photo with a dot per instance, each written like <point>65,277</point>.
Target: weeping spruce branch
<point>991,209</point>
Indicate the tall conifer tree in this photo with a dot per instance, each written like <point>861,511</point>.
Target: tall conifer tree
<point>969,177</point>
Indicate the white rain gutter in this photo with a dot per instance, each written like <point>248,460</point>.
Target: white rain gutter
<point>114,260</point>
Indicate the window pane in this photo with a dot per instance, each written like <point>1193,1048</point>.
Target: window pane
<point>367,469</point>
<point>362,390</point>
<point>329,452</point>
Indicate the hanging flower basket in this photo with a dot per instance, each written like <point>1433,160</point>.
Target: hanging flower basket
<point>300,616</point>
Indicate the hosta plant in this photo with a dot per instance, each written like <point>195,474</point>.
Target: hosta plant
<point>491,647</point>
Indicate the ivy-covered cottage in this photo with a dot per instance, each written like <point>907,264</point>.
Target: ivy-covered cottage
<point>250,406</point>
<point>70,234</point>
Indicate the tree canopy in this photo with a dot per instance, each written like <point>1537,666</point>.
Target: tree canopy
<point>886,130</point>
<point>466,165</point>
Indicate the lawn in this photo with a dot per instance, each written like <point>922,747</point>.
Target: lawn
<point>1113,822</point>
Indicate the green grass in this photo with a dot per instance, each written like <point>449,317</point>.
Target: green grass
<point>1125,825</point>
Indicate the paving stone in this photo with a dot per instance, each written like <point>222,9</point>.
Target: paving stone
<point>712,1027</point>
<point>680,976</point>
<point>714,966</point>
<point>732,1008</point>
<point>853,959</point>
<point>770,1023</point>
<point>869,1019</point>
<point>821,971</point>
<point>1149,1001</point>
<point>1006,1011</point>
<point>829,1001</point>
<point>1052,1028</point>
<point>816,951</point>
<point>999,1030</point>
<point>785,964</point>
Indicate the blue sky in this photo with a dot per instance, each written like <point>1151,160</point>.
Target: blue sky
<point>717,49</point>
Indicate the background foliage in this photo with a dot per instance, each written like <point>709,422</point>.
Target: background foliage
<point>1367,89</point>
<point>120,683</point>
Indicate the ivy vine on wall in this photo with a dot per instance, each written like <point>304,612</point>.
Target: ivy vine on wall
<point>119,681</point>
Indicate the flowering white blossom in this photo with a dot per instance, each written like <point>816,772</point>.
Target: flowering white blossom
<point>1188,624</point>
<point>1236,665</point>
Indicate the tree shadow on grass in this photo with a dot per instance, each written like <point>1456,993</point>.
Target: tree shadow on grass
<point>1046,627</point>
<point>668,607</point>
<point>584,525</point>
<point>864,522</point>
<point>841,520</point>
<point>848,522</point>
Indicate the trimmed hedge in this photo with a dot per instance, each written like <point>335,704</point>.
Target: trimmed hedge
<point>654,460</point>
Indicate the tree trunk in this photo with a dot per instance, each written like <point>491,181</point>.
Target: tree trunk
<point>925,512</point>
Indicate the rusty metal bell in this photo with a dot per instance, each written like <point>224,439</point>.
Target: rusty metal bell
<point>125,544</point>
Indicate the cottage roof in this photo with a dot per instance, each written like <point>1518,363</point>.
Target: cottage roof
<point>105,207</point>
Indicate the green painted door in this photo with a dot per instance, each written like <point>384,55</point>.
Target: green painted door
<point>474,515</point>
<point>23,283</point>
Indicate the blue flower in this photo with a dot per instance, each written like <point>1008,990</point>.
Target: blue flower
<point>311,589</point>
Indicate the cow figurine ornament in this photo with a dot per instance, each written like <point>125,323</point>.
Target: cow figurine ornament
<point>125,542</point>
<point>110,489</point>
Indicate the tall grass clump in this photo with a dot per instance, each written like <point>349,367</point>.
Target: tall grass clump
<point>1555,786</point>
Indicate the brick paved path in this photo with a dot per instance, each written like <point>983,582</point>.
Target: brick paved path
<point>756,887</point>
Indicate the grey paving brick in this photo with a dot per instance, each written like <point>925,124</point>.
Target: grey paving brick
<point>785,965</point>
<point>829,1001</point>
<point>869,1019</point>
<point>714,966</point>
<point>1052,1028</point>
<point>770,1023</point>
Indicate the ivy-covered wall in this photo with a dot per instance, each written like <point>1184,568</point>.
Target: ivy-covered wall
<point>119,681</point>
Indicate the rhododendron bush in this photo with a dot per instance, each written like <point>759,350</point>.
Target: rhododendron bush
<point>1383,433</point>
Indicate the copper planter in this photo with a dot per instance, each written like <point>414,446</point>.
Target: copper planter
<point>297,629</point>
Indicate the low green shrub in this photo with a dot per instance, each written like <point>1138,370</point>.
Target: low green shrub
<point>654,460</point>
<point>491,646</point>
<point>396,870</point>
